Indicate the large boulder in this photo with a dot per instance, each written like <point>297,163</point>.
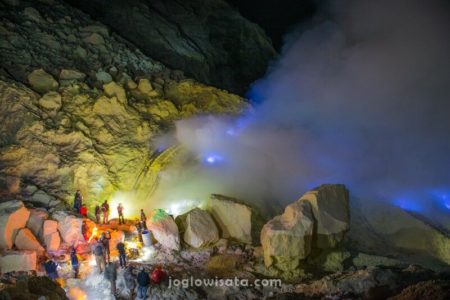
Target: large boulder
<point>200,229</point>
<point>69,227</point>
<point>41,81</point>
<point>36,222</point>
<point>287,239</point>
<point>52,241</point>
<point>25,240</point>
<point>233,218</point>
<point>13,216</point>
<point>164,229</point>
<point>330,208</point>
<point>17,261</point>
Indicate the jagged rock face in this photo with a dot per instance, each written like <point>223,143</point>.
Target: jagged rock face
<point>54,36</point>
<point>287,239</point>
<point>208,40</point>
<point>91,141</point>
<point>69,226</point>
<point>25,240</point>
<point>36,222</point>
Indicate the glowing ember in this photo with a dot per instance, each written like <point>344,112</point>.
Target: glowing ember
<point>76,293</point>
<point>94,234</point>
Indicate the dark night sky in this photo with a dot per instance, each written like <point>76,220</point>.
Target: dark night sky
<point>275,17</point>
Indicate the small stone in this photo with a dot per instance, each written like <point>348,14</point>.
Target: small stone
<point>71,75</point>
<point>102,30</point>
<point>145,86</point>
<point>131,85</point>
<point>94,39</point>
<point>13,216</point>
<point>80,52</point>
<point>103,76</point>
<point>51,101</point>
<point>41,81</point>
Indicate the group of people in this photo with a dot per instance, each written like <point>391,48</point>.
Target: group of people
<point>100,210</point>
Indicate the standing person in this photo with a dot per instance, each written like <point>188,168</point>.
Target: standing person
<point>51,268</point>
<point>83,210</point>
<point>130,280</point>
<point>105,210</point>
<point>104,239</point>
<point>143,282</point>
<point>111,276</point>
<point>139,230</point>
<point>77,201</point>
<point>99,253</point>
<point>74,262</point>
<point>84,230</point>
<point>143,220</point>
<point>122,254</point>
<point>97,214</point>
<point>120,212</point>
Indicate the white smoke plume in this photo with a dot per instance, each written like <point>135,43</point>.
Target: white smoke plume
<point>360,96</point>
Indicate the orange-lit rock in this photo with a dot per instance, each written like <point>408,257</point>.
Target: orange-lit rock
<point>25,240</point>
<point>13,216</point>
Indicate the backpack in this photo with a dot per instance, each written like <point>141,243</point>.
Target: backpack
<point>98,250</point>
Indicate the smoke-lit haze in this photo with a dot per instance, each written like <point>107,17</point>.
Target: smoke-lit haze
<point>361,96</point>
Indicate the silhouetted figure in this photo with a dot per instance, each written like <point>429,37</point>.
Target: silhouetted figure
<point>105,211</point>
<point>120,212</point>
<point>143,220</point>
<point>143,282</point>
<point>77,201</point>
<point>84,230</point>
<point>139,230</point>
<point>104,239</point>
<point>74,262</point>
<point>99,253</point>
<point>98,211</point>
<point>122,254</point>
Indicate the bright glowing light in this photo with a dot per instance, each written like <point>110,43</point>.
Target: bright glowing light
<point>149,253</point>
<point>94,233</point>
<point>180,207</point>
<point>408,204</point>
<point>129,203</point>
<point>92,262</point>
<point>213,158</point>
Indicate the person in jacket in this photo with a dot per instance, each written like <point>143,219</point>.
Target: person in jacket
<point>105,211</point>
<point>143,220</point>
<point>122,254</point>
<point>99,254</point>
<point>98,212</point>
<point>104,239</point>
<point>143,281</point>
<point>77,201</point>
<point>120,212</point>
<point>74,262</point>
<point>83,210</point>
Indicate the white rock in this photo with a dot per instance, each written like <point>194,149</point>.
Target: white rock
<point>13,216</point>
<point>330,208</point>
<point>234,219</point>
<point>36,222</point>
<point>69,227</point>
<point>287,239</point>
<point>52,241</point>
<point>17,261</point>
<point>164,229</point>
<point>200,229</point>
<point>103,76</point>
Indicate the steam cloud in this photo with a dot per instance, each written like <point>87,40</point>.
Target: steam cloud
<point>360,96</point>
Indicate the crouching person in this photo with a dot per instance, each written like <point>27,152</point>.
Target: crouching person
<point>143,280</point>
<point>51,268</point>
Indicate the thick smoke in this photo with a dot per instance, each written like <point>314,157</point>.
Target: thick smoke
<point>361,96</point>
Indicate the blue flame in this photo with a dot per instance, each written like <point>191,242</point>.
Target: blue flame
<point>408,204</point>
<point>213,158</point>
